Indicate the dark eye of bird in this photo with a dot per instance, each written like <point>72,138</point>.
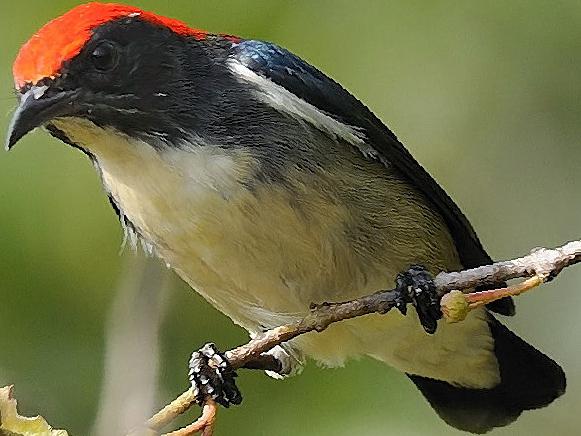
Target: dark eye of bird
<point>105,56</point>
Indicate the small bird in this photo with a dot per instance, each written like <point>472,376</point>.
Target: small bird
<point>267,186</point>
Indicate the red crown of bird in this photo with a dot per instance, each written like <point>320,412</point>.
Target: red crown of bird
<point>64,37</point>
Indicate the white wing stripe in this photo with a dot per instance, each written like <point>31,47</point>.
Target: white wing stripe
<point>285,101</point>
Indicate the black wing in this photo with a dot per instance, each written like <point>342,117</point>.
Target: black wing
<point>311,85</point>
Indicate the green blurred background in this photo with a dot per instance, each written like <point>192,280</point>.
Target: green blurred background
<point>487,95</point>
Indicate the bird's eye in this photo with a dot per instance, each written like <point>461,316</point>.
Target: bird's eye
<point>105,56</point>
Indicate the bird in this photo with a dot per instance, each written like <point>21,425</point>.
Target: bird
<point>267,186</point>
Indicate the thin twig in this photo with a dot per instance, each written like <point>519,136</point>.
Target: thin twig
<point>204,423</point>
<point>542,265</point>
<point>170,411</point>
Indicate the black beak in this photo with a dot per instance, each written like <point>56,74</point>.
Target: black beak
<point>36,109</point>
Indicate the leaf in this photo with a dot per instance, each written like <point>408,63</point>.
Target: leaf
<point>12,424</point>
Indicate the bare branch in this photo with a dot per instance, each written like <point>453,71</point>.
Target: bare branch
<point>540,266</point>
<point>542,262</point>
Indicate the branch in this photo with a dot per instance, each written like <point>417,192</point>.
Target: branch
<point>540,266</point>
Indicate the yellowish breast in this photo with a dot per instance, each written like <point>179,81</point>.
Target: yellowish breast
<point>259,258</point>
<point>246,249</point>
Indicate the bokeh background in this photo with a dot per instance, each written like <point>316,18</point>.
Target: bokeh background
<point>487,95</point>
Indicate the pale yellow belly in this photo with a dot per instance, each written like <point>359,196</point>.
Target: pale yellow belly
<point>260,262</point>
<point>262,256</point>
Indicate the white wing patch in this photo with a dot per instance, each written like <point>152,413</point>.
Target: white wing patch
<point>285,101</point>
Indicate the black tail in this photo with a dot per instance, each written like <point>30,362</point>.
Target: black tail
<point>529,380</point>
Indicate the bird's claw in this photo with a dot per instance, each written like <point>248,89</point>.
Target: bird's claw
<point>212,376</point>
<point>416,286</point>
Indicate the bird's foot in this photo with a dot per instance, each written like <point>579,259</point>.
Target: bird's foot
<point>212,376</point>
<point>416,286</point>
